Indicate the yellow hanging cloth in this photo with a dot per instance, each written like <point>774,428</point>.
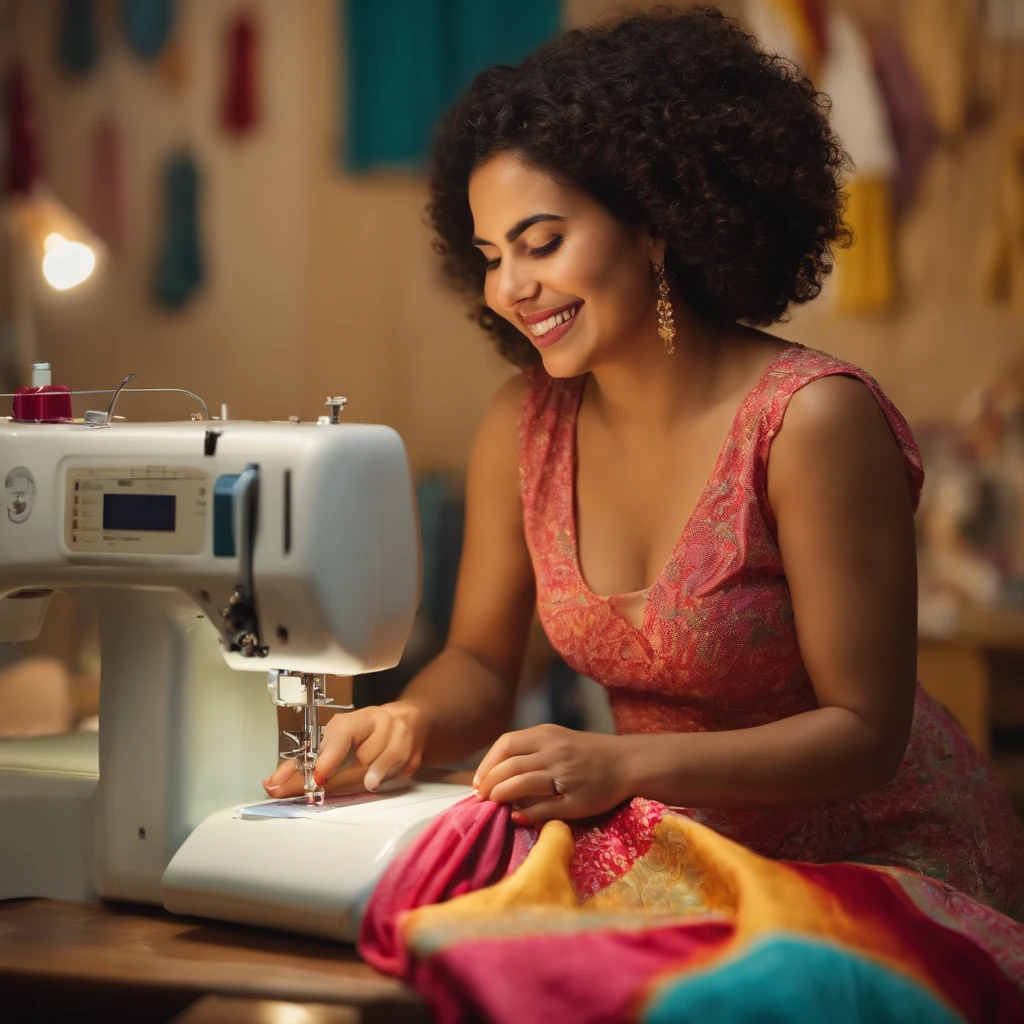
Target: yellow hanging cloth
<point>1002,263</point>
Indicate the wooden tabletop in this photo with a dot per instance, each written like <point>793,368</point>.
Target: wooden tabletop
<point>111,962</point>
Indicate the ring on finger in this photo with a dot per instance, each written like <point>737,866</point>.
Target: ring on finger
<point>558,787</point>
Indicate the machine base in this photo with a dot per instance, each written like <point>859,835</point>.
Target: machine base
<point>308,870</point>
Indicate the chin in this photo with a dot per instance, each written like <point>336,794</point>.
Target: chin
<point>565,362</point>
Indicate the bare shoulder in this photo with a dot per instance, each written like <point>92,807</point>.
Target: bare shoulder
<point>495,449</point>
<point>835,410</point>
<point>835,427</point>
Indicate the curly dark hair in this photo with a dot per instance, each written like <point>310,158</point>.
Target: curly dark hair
<point>673,119</point>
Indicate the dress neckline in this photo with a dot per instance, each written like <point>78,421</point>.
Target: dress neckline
<point>612,600</point>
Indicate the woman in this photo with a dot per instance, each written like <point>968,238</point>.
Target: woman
<point>715,524</point>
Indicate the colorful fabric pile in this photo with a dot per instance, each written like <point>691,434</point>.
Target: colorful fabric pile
<point>646,915</point>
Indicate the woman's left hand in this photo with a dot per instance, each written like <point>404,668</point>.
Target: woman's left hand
<point>554,773</point>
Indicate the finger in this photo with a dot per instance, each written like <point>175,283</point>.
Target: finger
<point>342,734</point>
<point>520,787</point>
<point>509,745</point>
<point>506,770</point>
<point>393,758</point>
<point>536,815</point>
<point>376,742</point>
<point>279,777</point>
<point>346,781</point>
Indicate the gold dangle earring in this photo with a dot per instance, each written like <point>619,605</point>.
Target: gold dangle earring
<point>666,325</point>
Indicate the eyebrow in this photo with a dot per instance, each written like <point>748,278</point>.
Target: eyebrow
<point>527,222</point>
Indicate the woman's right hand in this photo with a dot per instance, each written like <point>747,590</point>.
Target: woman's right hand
<point>364,746</point>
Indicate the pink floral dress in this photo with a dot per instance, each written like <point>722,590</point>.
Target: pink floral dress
<point>717,649</point>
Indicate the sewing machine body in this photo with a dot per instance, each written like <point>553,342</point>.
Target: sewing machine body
<point>151,518</point>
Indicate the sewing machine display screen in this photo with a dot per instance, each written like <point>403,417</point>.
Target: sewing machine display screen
<point>139,511</point>
<point>145,510</point>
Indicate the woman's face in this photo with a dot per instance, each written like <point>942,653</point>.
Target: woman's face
<point>577,282</point>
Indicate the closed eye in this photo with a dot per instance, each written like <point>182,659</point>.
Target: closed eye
<point>544,250</point>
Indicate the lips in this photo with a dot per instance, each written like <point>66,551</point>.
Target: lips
<point>551,334</point>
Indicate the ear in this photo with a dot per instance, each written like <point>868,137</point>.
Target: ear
<point>656,250</point>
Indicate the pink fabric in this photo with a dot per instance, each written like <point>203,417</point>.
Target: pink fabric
<point>466,849</point>
<point>717,648</point>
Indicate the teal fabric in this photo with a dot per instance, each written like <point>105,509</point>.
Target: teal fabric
<point>147,25</point>
<point>77,47</point>
<point>789,980</point>
<point>404,62</point>
<point>180,271</point>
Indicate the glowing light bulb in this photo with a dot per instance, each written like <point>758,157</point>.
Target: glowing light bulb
<point>66,263</point>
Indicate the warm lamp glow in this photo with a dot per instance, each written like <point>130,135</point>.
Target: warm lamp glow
<point>66,263</point>
<point>67,252</point>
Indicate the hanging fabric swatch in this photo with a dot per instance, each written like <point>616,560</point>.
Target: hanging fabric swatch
<point>1002,262</point>
<point>24,153</point>
<point>406,61</point>
<point>239,109</point>
<point>913,129</point>
<point>147,25</point>
<point>865,274</point>
<point>106,216</point>
<point>180,270</point>
<point>77,49</point>
<point>172,65</point>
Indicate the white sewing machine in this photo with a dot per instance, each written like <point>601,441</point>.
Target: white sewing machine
<point>218,551</point>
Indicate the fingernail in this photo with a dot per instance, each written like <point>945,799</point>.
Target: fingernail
<point>518,817</point>
<point>269,788</point>
<point>371,781</point>
<point>476,783</point>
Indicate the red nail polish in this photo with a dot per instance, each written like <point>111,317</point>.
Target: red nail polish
<point>518,817</point>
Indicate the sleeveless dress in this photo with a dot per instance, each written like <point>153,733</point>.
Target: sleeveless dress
<point>888,907</point>
<point>717,648</point>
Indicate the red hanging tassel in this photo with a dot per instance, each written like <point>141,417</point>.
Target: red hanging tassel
<point>25,163</point>
<point>239,110</point>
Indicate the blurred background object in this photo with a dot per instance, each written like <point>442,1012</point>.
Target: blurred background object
<point>248,175</point>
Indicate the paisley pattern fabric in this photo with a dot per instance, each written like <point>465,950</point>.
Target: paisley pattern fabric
<point>717,649</point>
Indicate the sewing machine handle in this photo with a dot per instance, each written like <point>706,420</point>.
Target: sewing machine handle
<point>241,622</point>
<point>245,494</point>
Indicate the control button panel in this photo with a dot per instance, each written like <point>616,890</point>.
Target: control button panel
<point>137,509</point>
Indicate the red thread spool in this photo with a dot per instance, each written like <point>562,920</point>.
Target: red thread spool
<point>50,403</point>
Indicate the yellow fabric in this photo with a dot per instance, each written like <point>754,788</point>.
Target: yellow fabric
<point>865,274</point>
<point>792,12</point>
<point>716,877</point>
<point>1002,275</point>
<point>939,39</point>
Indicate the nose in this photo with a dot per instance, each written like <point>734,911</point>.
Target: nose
<point>515,283</point>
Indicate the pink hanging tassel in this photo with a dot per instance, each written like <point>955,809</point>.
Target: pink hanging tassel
<point>239,112</point>
<point>107,187</point>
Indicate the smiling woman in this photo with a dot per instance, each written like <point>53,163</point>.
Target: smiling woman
<point>717,526</point>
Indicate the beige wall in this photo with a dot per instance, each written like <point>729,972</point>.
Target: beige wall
<point>242,339</point>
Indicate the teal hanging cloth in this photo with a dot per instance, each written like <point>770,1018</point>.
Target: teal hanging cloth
<point>77,47</point>
<point>180,270</point>
<point>147,25</point>
<point>404,62</point>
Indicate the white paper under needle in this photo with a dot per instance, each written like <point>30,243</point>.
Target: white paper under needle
<point>297,807</point>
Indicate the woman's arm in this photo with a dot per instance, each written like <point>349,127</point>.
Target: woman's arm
<point>467,693</point>
<point>837,485</point>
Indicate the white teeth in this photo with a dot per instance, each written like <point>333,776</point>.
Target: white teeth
<point>539,330</point>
